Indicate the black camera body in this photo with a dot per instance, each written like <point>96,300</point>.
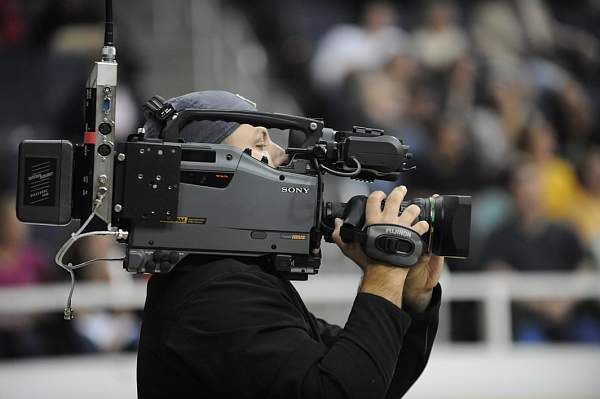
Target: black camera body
<point>174,198</point>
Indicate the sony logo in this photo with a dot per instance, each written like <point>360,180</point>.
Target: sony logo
<point>398,231</point>
<point>298,190</point>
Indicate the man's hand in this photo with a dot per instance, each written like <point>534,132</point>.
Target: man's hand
<point>421,280</point>
<point>380,278</point>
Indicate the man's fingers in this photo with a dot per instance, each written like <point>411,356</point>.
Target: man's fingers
<point>336,232</point>
<point>421,227</point>
<point>392,204</point>
<point>373,207</point>
<point>409,215</point>
<point>337,237</point>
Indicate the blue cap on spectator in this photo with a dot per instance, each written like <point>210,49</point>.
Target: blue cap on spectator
<point>204,131</point>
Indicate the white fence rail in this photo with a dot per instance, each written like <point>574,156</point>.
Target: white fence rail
<point>495,369</point>
<point>495,290</point>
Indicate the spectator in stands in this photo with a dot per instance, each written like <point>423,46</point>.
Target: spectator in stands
<point>498,120</point>
<point>20,264</point>
<point>530,242</point>
<point>585,209</point>
<point>441,42</point>
<point>450,165</point>
<point>557,176</point>
<point>497,32</point>
<point>12,23</point>
<point>528,37</point>
<point>349,48</point>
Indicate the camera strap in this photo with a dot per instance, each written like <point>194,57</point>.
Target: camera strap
<point>389,243</point>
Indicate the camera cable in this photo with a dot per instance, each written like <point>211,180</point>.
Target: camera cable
<point>68,313</point>
<point>355,172</point>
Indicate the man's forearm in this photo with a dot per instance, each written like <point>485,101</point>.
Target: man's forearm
<point>384,281</point>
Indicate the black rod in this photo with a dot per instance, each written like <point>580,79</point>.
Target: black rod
<point>108,28</point>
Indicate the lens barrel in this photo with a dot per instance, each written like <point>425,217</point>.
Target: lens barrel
<point>449,218</point>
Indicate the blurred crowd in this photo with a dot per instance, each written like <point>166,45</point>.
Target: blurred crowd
<point>497,99</point>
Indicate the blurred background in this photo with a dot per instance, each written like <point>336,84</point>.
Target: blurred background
<point>497,99</point>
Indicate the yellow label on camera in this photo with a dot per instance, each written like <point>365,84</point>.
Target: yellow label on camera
<point>293,236</point>
<point>186,220</point>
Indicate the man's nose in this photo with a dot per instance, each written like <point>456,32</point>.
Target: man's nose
<point>265,132</point>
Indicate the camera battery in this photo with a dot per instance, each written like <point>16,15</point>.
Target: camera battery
<point>45,181</point>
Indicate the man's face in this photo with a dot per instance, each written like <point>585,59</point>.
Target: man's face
<point>527,189</point>
<point>258,140</point>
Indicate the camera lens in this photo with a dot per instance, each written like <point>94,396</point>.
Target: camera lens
<point>449,218</point>
<point>451,225</point>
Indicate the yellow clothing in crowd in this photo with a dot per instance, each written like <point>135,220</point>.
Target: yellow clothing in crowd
<point>559,188</point>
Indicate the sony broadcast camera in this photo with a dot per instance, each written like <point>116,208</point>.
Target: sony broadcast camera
<point>165,199</point>
<point>170,198</point>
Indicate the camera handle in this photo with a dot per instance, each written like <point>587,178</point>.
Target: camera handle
<point>312,127</point>
<point>390,243</point>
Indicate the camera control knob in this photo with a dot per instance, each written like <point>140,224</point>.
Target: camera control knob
<point>156,256</point>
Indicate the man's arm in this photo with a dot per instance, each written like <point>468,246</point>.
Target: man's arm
<point>416,289</point>
<point>416,347</point>
<point>327,332</point>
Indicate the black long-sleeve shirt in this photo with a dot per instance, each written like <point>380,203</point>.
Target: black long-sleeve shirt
<point>227,329</point>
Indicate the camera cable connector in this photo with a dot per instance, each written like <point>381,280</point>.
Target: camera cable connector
<point>68,313</point>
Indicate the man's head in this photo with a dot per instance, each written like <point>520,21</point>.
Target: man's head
<point>231,133</point>
<point>527,188</point>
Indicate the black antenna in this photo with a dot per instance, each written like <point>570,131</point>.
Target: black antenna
<point>108,27</point>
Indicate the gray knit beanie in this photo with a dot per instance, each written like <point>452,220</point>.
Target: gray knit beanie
<point>204,131</point>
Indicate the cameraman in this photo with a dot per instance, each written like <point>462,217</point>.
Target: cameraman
<point>224,327</point>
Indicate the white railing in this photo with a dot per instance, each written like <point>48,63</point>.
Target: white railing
<point>490,370</point>
<point>496,290</point>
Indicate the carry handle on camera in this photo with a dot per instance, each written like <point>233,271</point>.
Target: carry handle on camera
<point>311,127</point>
